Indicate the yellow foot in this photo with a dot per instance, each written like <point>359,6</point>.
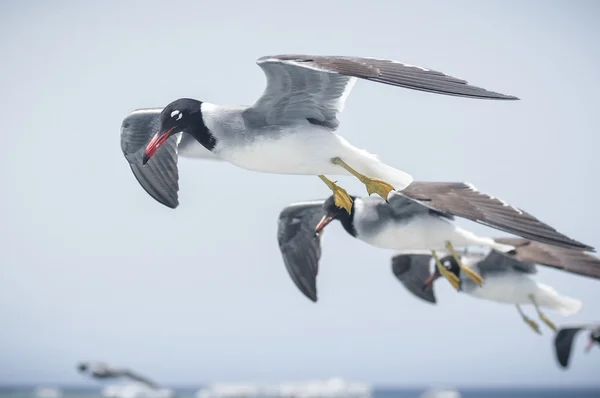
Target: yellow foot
<point>452,278</point>
<point>533,325</point>
<point>548,322</point>
<point>467,271</point>
<point>373,185</point>
<point>380,187</point>
<point>340,196</point>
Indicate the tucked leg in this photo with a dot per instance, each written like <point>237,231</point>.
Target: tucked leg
<point>373,185</point>
<point>532,324</point>
<point>468,271</point>
<point>542,316</point>
<point>452,278</point>
<point>340,196</point>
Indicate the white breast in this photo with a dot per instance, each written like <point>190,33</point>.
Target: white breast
<point>419,233</point>
<point>509,288</point>
<point>301,150</point>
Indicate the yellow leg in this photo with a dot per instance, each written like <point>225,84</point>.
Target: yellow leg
<point>542,316</point>
<point>452,278</point>
<point>340,196</point>
<point>373,185</point>
<point>532,324</point>
<point>468,271</point>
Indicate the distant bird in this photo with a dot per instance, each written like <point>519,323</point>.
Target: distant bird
<point>291,128</point>
<point>418,218</point>
<point>508,278</point>
<point>99,370</point>
<point>563,341</point>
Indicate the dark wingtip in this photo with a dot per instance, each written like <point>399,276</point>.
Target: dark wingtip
<point>312,296</point>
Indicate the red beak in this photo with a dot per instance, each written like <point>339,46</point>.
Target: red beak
<point>155,143</point>
<point>323,223</point>
<point>430,280</point>
<point>589,345</point>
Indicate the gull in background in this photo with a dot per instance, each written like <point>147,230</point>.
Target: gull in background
<point>100,370</point>
<point>290,129</point>
<point>508,277</point>
<point>421,217</point>
<point>563,341</point>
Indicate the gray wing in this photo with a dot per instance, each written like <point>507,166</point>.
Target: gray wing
<point>137,377</point>
<point>496,261</point>
<point>299,245</point>
<point>563,344</point>
<point>159,177</point>
<point>412,270</point>
<point>569,260</point>
<point>464,200</point>
<point>316,87</point>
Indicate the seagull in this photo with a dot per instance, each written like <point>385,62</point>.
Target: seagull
<point>508,278</point>
<point>291,128</point>
<point>563,341</point>
<point>413,270</point>
<point>100,370</point>
<point>418,218</point>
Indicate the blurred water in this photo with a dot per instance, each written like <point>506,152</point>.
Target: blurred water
<point>396,393</point>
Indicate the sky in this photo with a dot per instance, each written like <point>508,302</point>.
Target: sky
<point>93,268</point>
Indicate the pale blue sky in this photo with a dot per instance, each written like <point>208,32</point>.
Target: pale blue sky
<point>93,268</point>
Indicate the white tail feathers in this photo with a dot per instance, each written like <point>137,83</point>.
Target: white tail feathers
<point>369,164</point>
<point>399,179</point>
<point>549,298</point>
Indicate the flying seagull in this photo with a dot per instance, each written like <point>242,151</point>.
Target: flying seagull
<point>413,270</point>
<point>291,128</point>
<point>507,280</point>
<point>99,370</point>
<point>420,218</point>
<point>563,341</point>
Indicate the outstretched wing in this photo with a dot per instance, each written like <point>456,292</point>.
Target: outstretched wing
<point>137,377</point>
<point>569,260</point>
<point>412,270</point>
<point>464,200</point>
<point>299,245</point>
<point>316,87</point>
<point>563,344</point>
<point>159,177</point>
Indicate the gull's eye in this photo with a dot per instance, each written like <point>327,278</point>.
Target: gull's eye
<point>176,115</point>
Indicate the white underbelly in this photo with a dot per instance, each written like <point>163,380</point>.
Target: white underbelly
<point>510,289</point>
<point>308,151</point>
<point>421,233</point>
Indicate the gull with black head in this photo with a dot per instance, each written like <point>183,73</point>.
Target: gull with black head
<point>291,128</point>
<point>509,279</point>
<point>420,218</point>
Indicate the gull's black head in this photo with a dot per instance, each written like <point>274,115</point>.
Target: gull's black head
<point>450,264</point>
<point>180,116</point>
<point>333,212</point>
<point>82,367</point>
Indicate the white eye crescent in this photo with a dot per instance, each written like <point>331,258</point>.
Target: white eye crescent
<point>176,114</point>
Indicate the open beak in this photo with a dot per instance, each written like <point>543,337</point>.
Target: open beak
<point>589,345</point>
<point>430,280</point>
<point>323,223</point>
<point>155,143</point>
